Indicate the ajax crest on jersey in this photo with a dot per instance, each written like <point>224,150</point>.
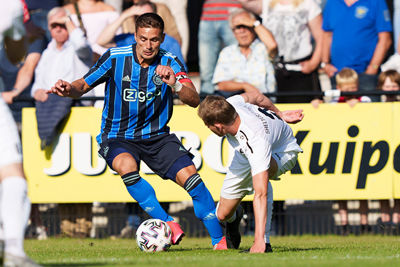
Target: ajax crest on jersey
<point>154,235</point>
<point>157,79</point>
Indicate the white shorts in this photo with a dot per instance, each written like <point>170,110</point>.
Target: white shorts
<point>10,144</point>
<point>238,181</point>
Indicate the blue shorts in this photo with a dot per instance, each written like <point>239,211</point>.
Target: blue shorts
<point>159,153</point>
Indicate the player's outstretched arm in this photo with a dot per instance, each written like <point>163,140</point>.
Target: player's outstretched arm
<point>257,98</point>
<point>189,95</point>
<point>75,89</point>
<point>186,90</point>
<point>260,184</point>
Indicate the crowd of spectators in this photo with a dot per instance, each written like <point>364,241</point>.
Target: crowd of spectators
<point>243,45</point>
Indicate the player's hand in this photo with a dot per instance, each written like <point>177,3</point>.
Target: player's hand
<point>61,88</point>
<point>41,95</point>
<point>8,96</point>
<point>258,247</point>
<point>166,74</point>
<point>292,116</point>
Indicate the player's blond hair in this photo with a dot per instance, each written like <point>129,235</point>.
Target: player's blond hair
<point>346,76</point>
<point>215,109</point>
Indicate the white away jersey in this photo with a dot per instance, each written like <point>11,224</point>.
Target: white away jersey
<point>261,133</point>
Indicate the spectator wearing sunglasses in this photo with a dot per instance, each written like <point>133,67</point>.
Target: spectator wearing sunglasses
<point>246,66</point>
<point>68,54</point>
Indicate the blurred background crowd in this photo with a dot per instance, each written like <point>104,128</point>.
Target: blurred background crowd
<point>301,48</point>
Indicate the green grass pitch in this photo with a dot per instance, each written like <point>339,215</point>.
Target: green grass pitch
<point>288,251</point>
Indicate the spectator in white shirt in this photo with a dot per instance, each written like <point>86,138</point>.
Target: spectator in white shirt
<point>68,55</point>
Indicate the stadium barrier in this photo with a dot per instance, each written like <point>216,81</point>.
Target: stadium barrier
<point>349,153</point>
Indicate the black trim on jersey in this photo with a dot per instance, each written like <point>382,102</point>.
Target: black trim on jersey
<point>249,147</point>
<point>134,54</point>
<point>124,121</point>
<point>155,120</point>
<point>111,99</point>
<point>247,139</point>
<point>141,113</point>
<point>180,64</point>
<point>169,62</point>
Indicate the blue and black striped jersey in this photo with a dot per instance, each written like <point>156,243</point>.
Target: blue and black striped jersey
<point>137,104</point>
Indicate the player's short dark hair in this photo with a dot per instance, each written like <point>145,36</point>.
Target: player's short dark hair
<point>150,20</point>
<point>215,109</point>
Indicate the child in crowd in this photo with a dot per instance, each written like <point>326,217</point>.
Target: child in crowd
<point>390,81</point>
<point>347,81</point>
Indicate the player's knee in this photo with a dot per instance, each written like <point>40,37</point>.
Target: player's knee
<point>13,169</point>
<point>221,215</point>
<point>124,163</point>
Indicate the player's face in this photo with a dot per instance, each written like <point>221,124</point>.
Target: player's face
<point>218,129</point>
<point>243,34</point>
<point>390,85</point>
<point>148,42</point>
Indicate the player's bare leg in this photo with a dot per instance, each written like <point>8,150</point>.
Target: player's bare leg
<point>229,210</point>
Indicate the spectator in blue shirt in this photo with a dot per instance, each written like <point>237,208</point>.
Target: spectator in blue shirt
<point>357,36</point>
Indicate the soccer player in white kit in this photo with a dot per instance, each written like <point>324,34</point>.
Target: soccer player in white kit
<point>265,148</point>
<point>14,202</point>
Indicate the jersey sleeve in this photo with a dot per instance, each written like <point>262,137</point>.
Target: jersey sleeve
<point>100,72</point>
<point>259,154</point>
<point>179,69</point>
<point>236,100</point>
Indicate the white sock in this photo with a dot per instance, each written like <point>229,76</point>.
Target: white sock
<point>14,203</point>
<point>270,202</point>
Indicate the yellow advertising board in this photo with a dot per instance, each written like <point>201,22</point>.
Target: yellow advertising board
<point>349,153</point>
<point>395,151</point>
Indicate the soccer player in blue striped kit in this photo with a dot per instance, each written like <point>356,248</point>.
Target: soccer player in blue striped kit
<point>140,82</point>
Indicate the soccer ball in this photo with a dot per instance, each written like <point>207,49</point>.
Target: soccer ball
<point>154,235</point>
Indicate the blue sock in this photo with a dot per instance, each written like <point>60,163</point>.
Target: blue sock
<point>144,194</point>
<point>204,207</point>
